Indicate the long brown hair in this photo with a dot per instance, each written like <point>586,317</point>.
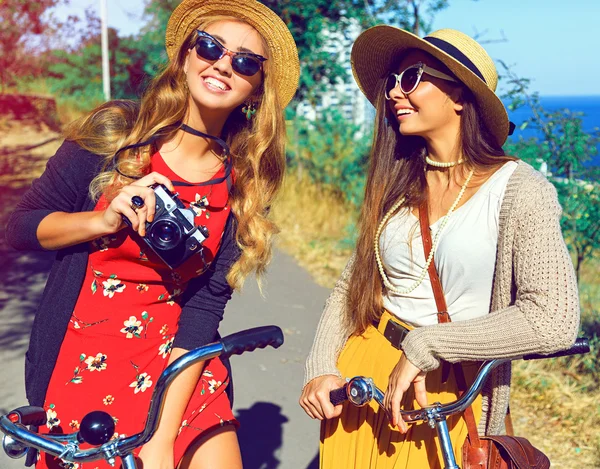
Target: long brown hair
<point>257,148</point>
<point>396,169</point>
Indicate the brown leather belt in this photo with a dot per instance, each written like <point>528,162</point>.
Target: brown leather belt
<point>394,332</point>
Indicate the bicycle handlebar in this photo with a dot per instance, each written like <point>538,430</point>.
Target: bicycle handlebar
<point>28,415</point>
<point>247,341</point>
<point>580,347</point>
<point>360,390</point>
<point>66,446</point>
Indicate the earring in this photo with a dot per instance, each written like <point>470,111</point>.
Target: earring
<point>249,109</point>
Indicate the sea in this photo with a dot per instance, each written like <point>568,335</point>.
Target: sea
<point>588,105</point>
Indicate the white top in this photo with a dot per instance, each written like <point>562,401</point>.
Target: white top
<point>465,257</point>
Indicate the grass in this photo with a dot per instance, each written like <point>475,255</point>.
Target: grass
<point>555,403</point>
<point>314,222</point>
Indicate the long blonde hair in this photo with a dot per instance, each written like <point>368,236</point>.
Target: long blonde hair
<point>257,150</point>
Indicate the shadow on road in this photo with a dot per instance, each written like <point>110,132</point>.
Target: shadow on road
<point>23,278</point>
<point>260,435</point>
<point>314,464</point>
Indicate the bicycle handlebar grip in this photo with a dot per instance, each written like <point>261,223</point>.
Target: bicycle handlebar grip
<point>338,396</point>
<point>251,339</point>
<point>581,346</point>
<point>28,415</point>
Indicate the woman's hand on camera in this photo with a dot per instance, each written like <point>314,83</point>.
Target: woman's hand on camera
<point>403,375</point>
<point>121,205</point>
<point>315,397</point>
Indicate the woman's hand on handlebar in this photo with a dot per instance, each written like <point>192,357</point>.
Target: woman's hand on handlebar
<point>315,397</point>
<point>403,375</point>
<point>120,206</point>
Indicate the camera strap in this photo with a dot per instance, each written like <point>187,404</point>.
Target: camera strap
<point>186,128</point>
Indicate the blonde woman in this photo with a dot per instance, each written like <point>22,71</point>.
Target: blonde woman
<point>119,306</point>
<point>509,285</point>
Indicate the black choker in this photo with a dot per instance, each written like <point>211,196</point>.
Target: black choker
<point>189,130</point>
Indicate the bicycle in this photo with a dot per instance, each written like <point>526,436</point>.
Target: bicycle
<point>361,390</point>
<point>97,427</point>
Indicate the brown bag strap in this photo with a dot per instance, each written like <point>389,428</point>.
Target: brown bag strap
<point>510,431</point>
<point>443,316</point>
<point>438,293</point>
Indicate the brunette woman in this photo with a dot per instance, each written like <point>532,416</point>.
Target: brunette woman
<point>208,133</point>
<point>437,162</point>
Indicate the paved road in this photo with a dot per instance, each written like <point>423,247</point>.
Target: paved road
<point>275,433</point>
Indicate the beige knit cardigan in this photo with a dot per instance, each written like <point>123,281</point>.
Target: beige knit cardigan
<point>534,308</point>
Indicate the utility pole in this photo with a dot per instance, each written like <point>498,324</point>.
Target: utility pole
<point>105,67</point>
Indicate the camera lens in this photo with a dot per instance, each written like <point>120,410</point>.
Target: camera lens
<point>165,234</point>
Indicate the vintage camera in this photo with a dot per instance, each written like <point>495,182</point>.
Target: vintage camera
<point>172,234</point>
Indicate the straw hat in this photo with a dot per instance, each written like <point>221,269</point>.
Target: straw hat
<point>376,49</point>
<point>284,54</point>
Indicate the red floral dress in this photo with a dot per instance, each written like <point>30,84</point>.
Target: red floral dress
<point>122,330</point>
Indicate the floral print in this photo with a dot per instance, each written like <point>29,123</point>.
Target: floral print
<point>132,328</point>
<point>79,324</point>
<point>97,363</point>
<point>199,206</point>
<point>141,383</point>
<point>166,348</point>
<point>128,309</point>
<point>108,400</point>
<point>103,243</point>
<point>172,296</point>
<point>69,465</point>
<point>213,385</point>
<point>113,285</point>
<point>52,419</point>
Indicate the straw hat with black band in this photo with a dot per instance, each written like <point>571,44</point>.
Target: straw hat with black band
<point>284,54</point>
<point>377,49</point>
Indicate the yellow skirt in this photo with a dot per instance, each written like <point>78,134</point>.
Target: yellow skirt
<point>362,438</point>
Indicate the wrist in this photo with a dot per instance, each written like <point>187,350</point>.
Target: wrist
<point>163,439</point>
<point>98,225</point>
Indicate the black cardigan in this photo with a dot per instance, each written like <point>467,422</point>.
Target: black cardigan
<point>63,187</point>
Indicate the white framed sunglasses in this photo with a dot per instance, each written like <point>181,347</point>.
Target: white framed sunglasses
<point>410,78</point>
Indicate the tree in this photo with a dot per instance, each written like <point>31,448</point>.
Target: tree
<point>77,74</point>
<point>564,148</point>
<point>331,151</point>
<point>312,22</point>
<point>20,20</point>
<point>152,35</point>
<point>413,15</point>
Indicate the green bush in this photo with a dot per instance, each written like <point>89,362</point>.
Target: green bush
<point>331,151</point>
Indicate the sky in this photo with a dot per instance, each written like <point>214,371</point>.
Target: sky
<point>554,42</point>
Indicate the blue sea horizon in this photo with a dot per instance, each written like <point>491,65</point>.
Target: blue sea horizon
<point>588,105</point>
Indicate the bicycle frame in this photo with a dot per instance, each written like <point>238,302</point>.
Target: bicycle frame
<point>361,390</point>
<point>66,446</point>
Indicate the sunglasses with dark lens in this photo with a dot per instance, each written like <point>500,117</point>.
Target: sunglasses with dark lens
<point>244,63</point>
<point>410,78</point>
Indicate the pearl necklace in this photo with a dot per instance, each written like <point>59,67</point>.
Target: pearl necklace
<point>436,238</point>
<point>439,164</point>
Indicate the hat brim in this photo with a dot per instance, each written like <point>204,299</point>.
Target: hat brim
<point>376,49</point>
<point>284,54</point>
